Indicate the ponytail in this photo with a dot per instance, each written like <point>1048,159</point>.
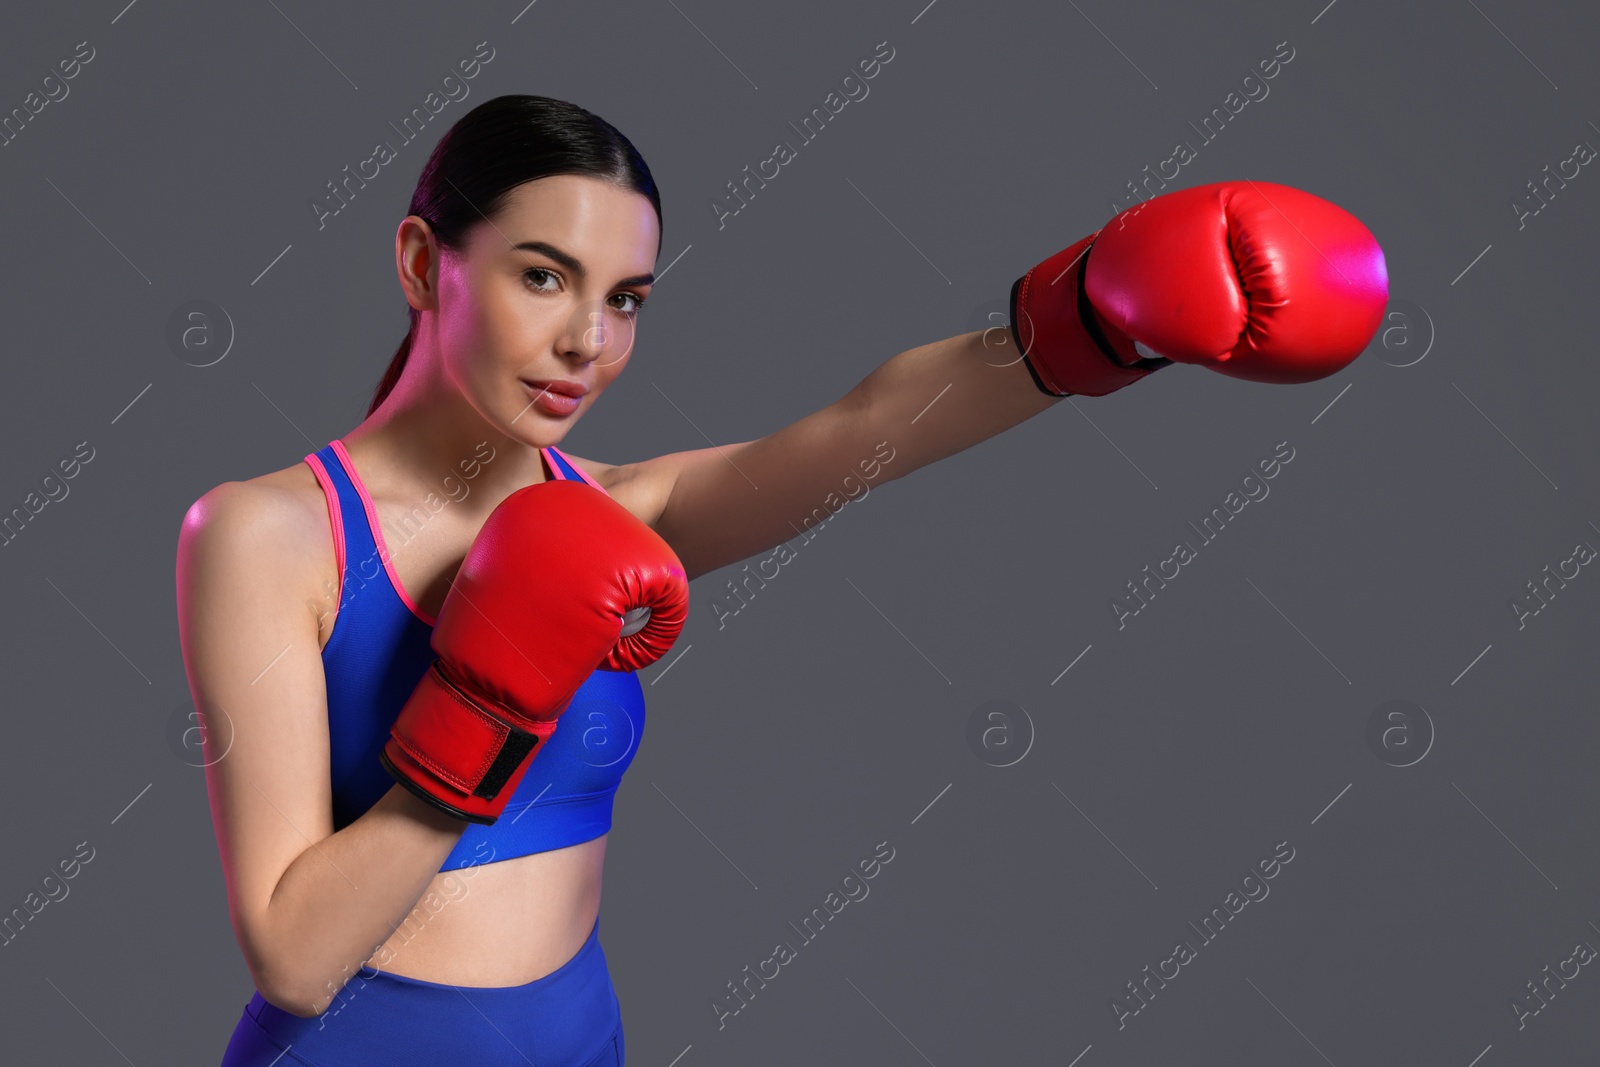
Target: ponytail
<point>397,365</point>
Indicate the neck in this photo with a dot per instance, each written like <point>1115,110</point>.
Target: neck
<point>425,431</point>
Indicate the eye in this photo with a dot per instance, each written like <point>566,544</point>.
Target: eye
<point>638,303</point>
<point>529,277</point>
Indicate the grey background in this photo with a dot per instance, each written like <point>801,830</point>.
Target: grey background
<point>833,712</point>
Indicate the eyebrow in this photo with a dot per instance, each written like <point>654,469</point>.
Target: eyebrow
<point>572,263</point>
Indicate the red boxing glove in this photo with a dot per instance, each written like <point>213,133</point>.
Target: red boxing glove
<point>560,580</point>
<point>1252,279</point>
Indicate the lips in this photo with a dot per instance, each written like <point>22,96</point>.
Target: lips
<point>561,386</point>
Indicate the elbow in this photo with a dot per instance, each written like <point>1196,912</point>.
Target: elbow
<point>289,987</point>
<point>286,1003</point>
<point>285,969</point>
<point>298,996</point>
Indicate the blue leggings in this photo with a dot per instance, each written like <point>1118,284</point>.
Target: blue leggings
<point>568,1018</point>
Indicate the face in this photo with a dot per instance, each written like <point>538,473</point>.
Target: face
<point>542,301</point>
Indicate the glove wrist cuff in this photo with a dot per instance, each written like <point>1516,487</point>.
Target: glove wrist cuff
<point>1069,350</point>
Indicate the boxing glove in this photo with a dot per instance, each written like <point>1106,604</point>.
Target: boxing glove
<point>1251,279</point>
<point>561,580</point>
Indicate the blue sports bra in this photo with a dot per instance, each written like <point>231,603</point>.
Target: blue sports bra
<point>379,650</point>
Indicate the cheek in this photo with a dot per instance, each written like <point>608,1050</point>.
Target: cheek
<point>462,316</point>
<point>479,330</point>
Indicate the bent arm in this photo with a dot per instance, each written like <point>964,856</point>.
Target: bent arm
<point>716,506</point>
<point>344,896</point>
<point>308,905</point>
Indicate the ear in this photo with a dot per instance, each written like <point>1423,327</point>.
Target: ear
<point>416,260</point>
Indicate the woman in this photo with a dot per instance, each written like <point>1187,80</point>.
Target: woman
<point>382,927</point>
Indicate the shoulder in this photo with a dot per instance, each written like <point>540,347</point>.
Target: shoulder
<point>258,509</point>
<point>629,484</point>
<point>276,521</point>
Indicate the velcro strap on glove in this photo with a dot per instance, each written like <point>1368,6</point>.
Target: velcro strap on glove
<point>459,740</point>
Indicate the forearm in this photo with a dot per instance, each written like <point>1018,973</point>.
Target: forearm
<point>937,399</point>
<point>343,897</point>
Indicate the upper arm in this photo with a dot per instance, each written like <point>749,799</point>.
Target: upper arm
<point>250,648</point>
<point>719,505</point>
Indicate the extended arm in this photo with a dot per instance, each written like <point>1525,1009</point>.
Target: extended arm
<point>716,506</point>
<point>1253,280</point>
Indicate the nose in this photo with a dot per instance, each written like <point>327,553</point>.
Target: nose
<point>596,334</point>
<point>588,332</point>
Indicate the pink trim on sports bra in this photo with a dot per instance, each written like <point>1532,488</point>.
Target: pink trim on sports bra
<point>377,531</point>
<point>335,518</point>
<point>581,472</point>
<point>552,470</point>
